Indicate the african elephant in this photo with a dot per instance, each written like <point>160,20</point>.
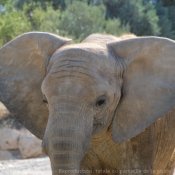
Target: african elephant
<point>96,92</point>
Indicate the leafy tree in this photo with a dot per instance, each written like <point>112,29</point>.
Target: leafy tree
<point>142,18</point>
<point>80,20</point>
<point>114,27</point>
<point>77,22</point>
<point>12,24</point>
<point>3,2</point>
<point>45,20</point>
<point>171,15</point>
<point>166,3</point>
<point>55,3</point>
<point>83,17</point>
<point>2,9</point>
<point>165,23</point>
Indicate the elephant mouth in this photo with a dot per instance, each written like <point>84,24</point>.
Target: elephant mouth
<point>97,127</point>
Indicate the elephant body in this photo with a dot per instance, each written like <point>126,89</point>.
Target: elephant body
<point>150,152</point>
<point>97,105</point>
<point>165,143</point>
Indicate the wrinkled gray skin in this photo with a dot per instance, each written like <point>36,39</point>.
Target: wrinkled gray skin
<point>97,92</point>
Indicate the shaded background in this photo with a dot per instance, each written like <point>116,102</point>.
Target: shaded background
<point>79,18</point>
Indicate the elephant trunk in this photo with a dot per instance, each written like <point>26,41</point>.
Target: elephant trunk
<point>66,140</point>
<point>65,159</point>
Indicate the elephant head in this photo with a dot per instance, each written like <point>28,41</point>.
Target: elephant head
<point>87,87</point>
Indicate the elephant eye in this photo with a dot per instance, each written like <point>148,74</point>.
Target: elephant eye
<point>44,99</point>
<point>101,101</point>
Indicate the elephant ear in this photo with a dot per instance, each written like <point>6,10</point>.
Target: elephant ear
<point>23,64</point>
<point>148,83</point>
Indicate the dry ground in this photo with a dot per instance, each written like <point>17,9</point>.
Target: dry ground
<point>36,166</point>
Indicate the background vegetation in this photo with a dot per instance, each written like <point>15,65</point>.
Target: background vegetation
<point>79,18</point>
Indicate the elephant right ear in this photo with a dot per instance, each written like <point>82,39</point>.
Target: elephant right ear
<point>148,90</point>
<point>23,63</point>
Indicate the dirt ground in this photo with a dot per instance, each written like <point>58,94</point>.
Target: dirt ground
<point>36,166</point>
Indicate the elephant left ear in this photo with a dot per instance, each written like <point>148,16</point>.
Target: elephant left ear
<point>148,90</point>
<point>23,65</point>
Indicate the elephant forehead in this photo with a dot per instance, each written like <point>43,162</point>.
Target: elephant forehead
<point>83,71</point>
<point>86,57</point>
<point>92,67</point>
<point>85,52</point>
<point>72,88</point>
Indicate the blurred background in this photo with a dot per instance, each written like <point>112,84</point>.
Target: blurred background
<point>79,18</point>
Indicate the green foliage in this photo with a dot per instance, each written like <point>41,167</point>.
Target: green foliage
<point>141,17</point>
<point>55,3</point>
<point>79,18</point>
<point>114,27</point>
<point>3,2</point>
<point>2,9</point>
<point>45,20</point>
<point>171,15</point>
<point>166,3</point>
<point>166,22</point>
<point>12,24</point>
<point>77,22</point>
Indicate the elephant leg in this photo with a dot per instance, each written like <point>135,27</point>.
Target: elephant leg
<point>138,153</point>
<point>134,156</point>
<point>171,165</point>
<point>97,165</point>
<point>91,163</point>
<point>165,144</point>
